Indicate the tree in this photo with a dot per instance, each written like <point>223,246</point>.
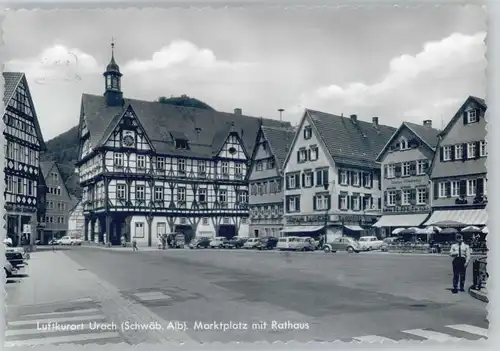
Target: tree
<point>185,101</point>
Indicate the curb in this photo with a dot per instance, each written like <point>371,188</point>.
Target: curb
<point>478,295</point>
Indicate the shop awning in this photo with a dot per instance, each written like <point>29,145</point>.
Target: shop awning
<point>404,220</point>
<point>302,229</point>
<point>458,218</point>
<point>355,228</point>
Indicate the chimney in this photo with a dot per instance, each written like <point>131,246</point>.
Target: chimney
<point>428,123</point>
<point>354,118</point>
<point>375,121</point>
<point>237,111</point>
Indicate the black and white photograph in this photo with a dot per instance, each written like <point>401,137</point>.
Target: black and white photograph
<point>245,174</point>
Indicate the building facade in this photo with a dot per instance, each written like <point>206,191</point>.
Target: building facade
<point>332,181</point>
<point>266,181</point>
<point>23,144</point>
<point>405,163</point>
<point>148,168</point>
<point>59,202</point>
<point>76,221</point>
<point>458,174</point>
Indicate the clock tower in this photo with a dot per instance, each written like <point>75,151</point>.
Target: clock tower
<point>112,80</point>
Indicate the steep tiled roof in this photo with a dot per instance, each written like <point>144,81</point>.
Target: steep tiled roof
<point>12,80</point>
<point>279,141</point>
<point>348,142</point>
<point>46,166</point>
<point>457,115</point>
<point>428,135</point>
<point>203,128</point>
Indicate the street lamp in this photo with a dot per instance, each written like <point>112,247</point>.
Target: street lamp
<point>326,185</point>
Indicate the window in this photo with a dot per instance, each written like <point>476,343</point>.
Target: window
<point>181,165</point>
<point>421,167</point>
<point>355,203</point>
<point>421,196</point>
<point>471,116</point>
<point>322,202</point>
<point>140,192</point>
<point>322,177</point>
<point>293,204</point>
<point>204,221</point>
<point>302,155</point>
<point>225,167</point>
<point>202,166</point>
<point>243,197</point>
<point>405,200</point>
<point>403,144</point>
<point>270,163</point>
<point>10,187</point>
<point>455,188</point>
<point>308,179</point>
<point>442,189</point>
<point>160,163</point>
<point>405,170</point>
<point>471,150</point>
<point>161,228</point>
<point>367,180</point>
<point>343,202</point>
<point>447,153</point>
<point>259,165</point>
<point>223,196</point>
<point>118,159</point>
<point>202,195</point>
<point>238,169</point>
<point>243,220</point>
<point>344,180</point>
<point>367,202</point>
<point>355,178</point>
<point>391,198</point>
<point>141,161</point>
<point>471,187</point>
<point>139,230</point>
<point>291,182</point>
<point>54,176</point>
<point>391,171</point>
<point>459,152</point>
<point>158,193</point>
<point>483,152</point>
<point>307,132</point>
<point>181,144</point>
<point>181,194</point>
<point>314,153</point>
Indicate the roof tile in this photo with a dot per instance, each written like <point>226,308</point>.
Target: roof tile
<point>279,140</point>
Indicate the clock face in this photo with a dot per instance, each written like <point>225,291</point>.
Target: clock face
<point>128,140</point>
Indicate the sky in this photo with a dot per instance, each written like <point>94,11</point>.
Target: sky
<point>396,63</point>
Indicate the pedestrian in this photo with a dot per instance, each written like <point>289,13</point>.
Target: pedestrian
<point>123,241</point>
<point>134,245</point>
<point>461,256</point>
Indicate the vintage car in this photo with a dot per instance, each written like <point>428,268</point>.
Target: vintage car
<point>287,243</point>
<point>176,240</point>
<point>235,242</point>
<point>200,243</point>
<point>369,243</point>
<point>67,240</point>
<point>251,243</point>
<point>267,243</point>
<point>304,244</point>
<point>218,242</point>
<point>342,244</point>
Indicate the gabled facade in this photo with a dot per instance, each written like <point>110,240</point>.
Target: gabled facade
<point>405,163</point>
<point>148,168</point>
<point>23,144</point>
<point>59,202</point>
<point>331,176</point>
<point>266,181</point>
<point>458,174</point>
<point>76,220</point>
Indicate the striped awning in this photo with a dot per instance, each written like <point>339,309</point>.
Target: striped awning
<point>302,229</point>
<point>354,228</point>
<point>458,218</point>
<point>403,220</point>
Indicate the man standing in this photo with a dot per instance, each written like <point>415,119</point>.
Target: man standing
<point>461,256</point>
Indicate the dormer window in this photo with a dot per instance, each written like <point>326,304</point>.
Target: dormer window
<point>181,144</point>
<point>403,144</point>
<point>471,116</point>
<point>307,132</point>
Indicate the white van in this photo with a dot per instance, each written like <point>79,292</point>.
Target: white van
<point>250,243</point>
<point>287,242</point>
<point>217,242</point>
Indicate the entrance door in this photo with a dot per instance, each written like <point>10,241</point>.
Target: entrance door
<point>227,231</point>
<point>256,233</point>
<point>187,230</point>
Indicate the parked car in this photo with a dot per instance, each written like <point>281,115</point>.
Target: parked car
<point>393,240</point>
<point>9,269</point>
<point>369,243</point>
<point>342,244</point>
<point>267,243</point>
<point>15,256</point>
<point>305,244</point>
<point>67,240</point>
<point>176,240</point>
<point>286,243</point>
<point>251,243</point>
<point>200,243</point>
<point>235,242</point>
<point>218,242</point>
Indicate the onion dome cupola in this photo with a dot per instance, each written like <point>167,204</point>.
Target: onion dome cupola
<point>112,81</point>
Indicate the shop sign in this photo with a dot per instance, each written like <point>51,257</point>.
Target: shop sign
<point>305,219</point>
<point>409,181</point>
<point>408,209</point>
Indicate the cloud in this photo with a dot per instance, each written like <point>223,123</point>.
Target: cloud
<point>56,63</point>
<point>181,52</point>
<point>414,84</point>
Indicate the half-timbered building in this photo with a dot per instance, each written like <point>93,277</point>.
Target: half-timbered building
<point>148,168</point>
<point>23,143</point>
<point>266,181</point>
